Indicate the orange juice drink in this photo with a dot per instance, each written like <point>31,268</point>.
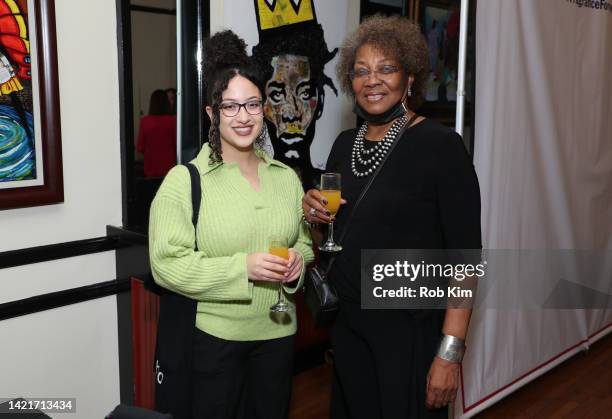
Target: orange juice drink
<point>333,200</point>
<point>281,252</point>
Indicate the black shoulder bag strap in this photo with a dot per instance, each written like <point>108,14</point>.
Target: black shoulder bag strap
<point>196,198</point>
<point>367,186</point>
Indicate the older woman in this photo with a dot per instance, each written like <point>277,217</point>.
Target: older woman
<point>396,363</point>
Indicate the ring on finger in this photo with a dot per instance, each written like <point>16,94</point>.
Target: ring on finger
<point>312,212</point>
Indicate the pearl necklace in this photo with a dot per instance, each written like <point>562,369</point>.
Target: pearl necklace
<point>370,159</point>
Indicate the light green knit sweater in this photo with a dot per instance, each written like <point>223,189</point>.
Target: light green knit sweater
<point>234,220</point>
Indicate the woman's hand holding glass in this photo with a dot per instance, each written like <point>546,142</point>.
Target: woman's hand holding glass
<point>267,267</point>
<point>294,269</point>
<point>314,199</point>
<point>279,248</point>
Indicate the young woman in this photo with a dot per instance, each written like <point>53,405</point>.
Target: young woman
<point>242,353</point>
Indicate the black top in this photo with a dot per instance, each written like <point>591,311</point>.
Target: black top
<point>426,196</point>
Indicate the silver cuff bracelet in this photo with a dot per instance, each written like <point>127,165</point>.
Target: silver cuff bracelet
<point>451,349</point>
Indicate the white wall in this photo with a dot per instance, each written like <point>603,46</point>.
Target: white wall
<point>338,18</point>
<point>71,351</point>
<point>89,103</point>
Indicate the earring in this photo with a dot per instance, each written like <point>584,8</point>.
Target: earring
<point>263,141</point>
<point>261,138</point>
<point>409,91</point>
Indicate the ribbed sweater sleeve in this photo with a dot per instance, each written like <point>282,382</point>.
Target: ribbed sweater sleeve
<point>174,262</point>
<point>303,245</point>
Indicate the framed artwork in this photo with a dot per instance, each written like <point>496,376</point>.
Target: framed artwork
<point>30,136</point>
<point>292,52</point>
<point>440,23</point>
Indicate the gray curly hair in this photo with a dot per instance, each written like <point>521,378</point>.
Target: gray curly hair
<point>396,37</point>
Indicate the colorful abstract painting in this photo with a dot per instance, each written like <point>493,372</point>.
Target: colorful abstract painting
<point>17,142</point>
<point>31,170</point>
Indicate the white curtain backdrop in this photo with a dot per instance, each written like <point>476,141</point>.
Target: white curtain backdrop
<point>543,153</point>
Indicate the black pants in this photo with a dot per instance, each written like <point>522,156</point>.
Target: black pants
<point>234,379</point>
<point>381,361</point>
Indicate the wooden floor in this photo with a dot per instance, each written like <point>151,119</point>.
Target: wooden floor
<point>579,388</point>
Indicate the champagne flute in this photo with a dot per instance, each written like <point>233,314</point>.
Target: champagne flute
<point>279,247</point>
<point>330,189</point>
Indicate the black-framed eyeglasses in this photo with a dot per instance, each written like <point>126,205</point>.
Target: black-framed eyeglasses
<point>230,109</point>
<point>381,72</point>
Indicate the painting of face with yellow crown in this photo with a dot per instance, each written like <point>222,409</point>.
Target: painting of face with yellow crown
<point>291,55</point>
<point>291,102</point>
<point>292,61</point>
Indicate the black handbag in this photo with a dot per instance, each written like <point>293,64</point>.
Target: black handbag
<point>320,296</point>
<point>319,293</point>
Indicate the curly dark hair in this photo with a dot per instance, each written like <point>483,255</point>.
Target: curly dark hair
<point>299,39</point>
<point>225,58</point>
<point>396,37</point>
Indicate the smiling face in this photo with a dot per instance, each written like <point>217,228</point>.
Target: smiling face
<point>239,131</point>
<point>382,87</point>
<point>291,97</point>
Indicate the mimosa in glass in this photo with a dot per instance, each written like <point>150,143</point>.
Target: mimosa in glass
<point>333,200</point>
<point>330,189</point>
<point>278,247</point>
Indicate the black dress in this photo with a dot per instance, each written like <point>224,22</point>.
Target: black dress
<point>425,197</point>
